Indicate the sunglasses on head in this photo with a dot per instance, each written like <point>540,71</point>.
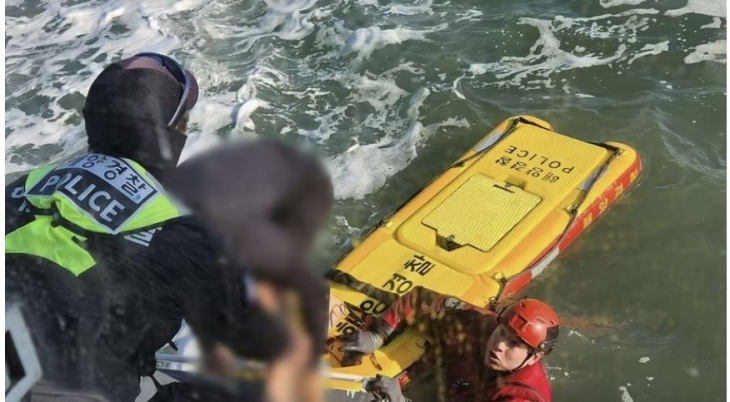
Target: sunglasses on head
<point>180,75</point>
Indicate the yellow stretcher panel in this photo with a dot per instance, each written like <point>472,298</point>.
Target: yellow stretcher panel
<point>478,214</point>
<point>489,222</point>
<point>516,161</point>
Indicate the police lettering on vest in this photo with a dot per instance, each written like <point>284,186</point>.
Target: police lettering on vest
<point>90,194</point>
<point>107,189</point>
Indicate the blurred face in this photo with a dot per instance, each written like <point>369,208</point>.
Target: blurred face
<point>303,216</point>
<point>505,351</point>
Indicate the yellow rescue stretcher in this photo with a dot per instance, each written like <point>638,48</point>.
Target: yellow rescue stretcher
<point>480,232</point>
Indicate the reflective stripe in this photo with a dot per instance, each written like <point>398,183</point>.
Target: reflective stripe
<point>544,261</point>
<point>586,185</point>
<point>488,142</point>
<point>55,243</point>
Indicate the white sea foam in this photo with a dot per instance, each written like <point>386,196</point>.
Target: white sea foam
<point>548,55</point>
<point>625,396</point>
<point>707,7</point>
<point>714,51</point>
<point>615,3</point>
<point>365,40</point>
<point>715,24</point>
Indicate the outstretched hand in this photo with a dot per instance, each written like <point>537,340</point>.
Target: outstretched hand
<point>363,342</point>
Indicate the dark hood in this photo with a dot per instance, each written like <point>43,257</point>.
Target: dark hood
<point>126,115</point>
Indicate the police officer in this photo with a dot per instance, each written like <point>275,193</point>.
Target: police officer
<point>104,262</point>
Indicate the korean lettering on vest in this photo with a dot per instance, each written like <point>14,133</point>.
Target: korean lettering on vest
<point>108,189</point>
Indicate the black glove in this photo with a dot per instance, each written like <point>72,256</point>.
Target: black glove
<point>363,342</point>
<point>368,341</point>
<point>386,388</point>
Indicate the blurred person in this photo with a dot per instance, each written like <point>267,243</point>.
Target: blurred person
<point>265,201</point>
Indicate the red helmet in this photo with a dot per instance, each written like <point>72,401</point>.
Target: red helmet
<point>534,322</point>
